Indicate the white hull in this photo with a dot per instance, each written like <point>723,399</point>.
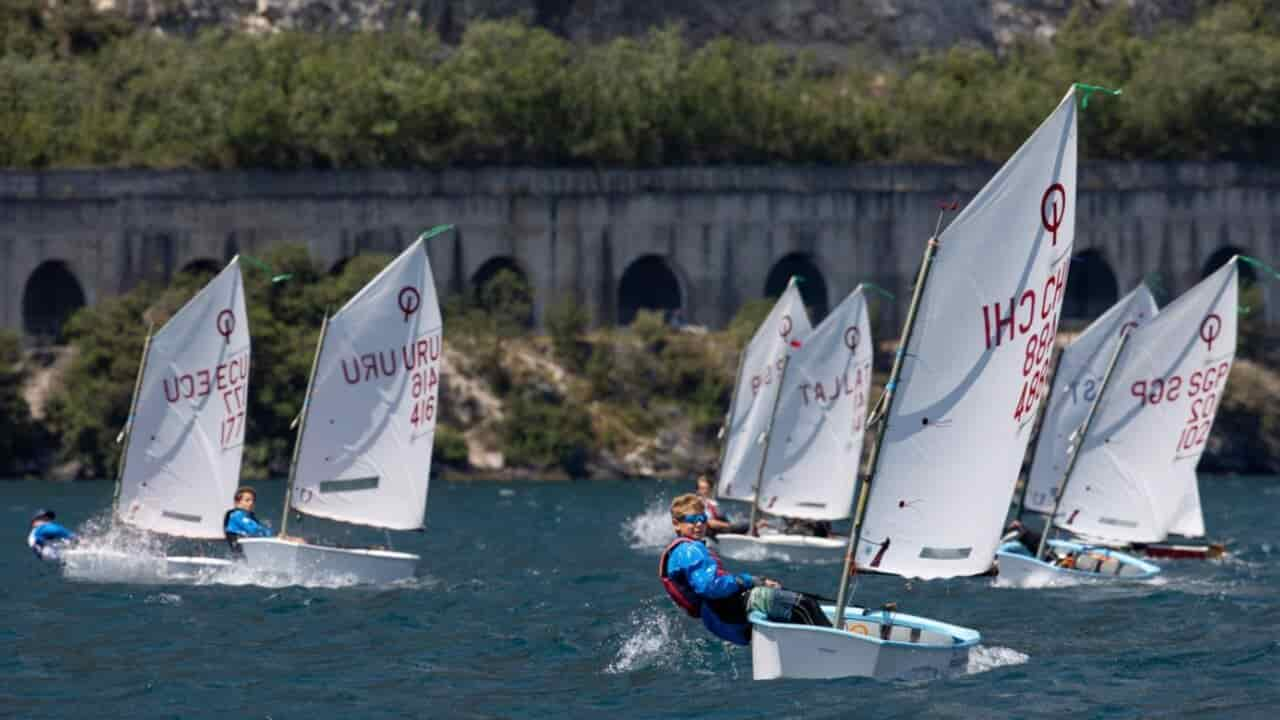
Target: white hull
<point>786,548</point>
<point>1017,568</point>
<point>307,563</point>
<point>177,565</point>
<point>915,647</point>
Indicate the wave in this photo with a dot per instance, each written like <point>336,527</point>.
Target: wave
<point>651,529</point>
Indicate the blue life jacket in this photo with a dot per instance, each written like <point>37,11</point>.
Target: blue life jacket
<point>724,617</point>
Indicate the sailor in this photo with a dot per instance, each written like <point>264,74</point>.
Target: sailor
<point>697,583</point>
<point>1018,532</point>
<point>241,522</point>
<point>46,536</point>
<point>716,521</point>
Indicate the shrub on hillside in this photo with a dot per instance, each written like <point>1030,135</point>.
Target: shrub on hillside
<point>20,435</point>
<point>567,322</point>
<point>543,431</point>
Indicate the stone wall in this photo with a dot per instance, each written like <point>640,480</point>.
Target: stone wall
<point>716,233</point>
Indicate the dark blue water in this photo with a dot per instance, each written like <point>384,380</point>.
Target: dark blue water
<point>540,600</point>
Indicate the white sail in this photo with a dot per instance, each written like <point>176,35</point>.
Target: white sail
<point>818,428</point>
<point>186,438</point>
<point>974,370</point>
<point>762,363</point>
<point>1135,479</point>
<point>365,450</point>
<point>1075,386</point>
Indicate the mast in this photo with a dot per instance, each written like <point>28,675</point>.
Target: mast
<point>127,432</point>
<point>768,438</point>
<point>1075,453</point>
<point>302,427</point>
<point>885,405</point>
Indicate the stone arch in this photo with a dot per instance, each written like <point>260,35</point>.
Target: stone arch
<point>648,283</point>
<point>201,266</point>
<point>1091,287</point>
<point>1248,276</point>
<point>51,295</point>
<point>490,270</point>
<point>813,287</point>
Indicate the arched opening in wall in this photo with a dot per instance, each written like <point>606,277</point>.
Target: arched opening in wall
<point>1248,276</point>
<point>52,294</point>
<point>1091,289</point>
<point>648,283</point>
<point>501,288</point>
<point>201,268</point>
<point>813,288</point>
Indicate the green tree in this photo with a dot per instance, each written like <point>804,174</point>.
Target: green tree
<point>567,322</point>
<point>19,434</point>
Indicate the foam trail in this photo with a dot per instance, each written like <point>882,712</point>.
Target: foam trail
<point>657,639</point>
<point>982,658</point>
<point>109,552</point>
<point>651,528</point>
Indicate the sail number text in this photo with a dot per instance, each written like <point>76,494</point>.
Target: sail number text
<point>228,380</point>
<point>1201,388</point>
<point>1033,314</point>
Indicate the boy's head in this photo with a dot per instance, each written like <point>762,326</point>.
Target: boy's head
<point>41,517</point>
<point>704,486</point>
<point>689,516</point>
<point>246,497</point>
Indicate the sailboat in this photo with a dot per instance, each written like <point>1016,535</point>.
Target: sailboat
<point>955,418</point>
<point>1135,478</point>
<point>755,391</point>
<point>813,443</point>
<point>363,451</point>
<point>184,439</point>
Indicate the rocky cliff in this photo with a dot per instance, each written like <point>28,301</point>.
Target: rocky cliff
<point>895,28</point>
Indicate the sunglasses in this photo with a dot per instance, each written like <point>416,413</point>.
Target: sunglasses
<point>694,519</point>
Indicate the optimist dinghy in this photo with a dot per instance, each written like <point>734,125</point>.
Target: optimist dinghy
<point>363,453</point>
<point>956,417</point>
<point>1072,562</point>
<point>809,467</point>
<point>184,440</point>
<point>1135,477</point>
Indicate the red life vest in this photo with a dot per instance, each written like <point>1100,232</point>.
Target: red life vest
<point>680,592</point>
<point>713,509</point>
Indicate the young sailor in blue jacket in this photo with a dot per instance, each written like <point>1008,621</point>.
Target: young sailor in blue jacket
<point>47,536</point>
<point>240,520</point>
<point>696,581</point>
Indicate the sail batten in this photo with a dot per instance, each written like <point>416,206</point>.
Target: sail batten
<point>818,430</point>
<point>974,370</point>
<point>186,437</point>
<point>763,360</point>
<point>365,451</point>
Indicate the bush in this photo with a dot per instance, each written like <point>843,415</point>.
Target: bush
<point>78,88</point>
<point>541,431</point>
<point>450,448</point>
<point>20,435</point>
<point>508,300</point>
<point>566,322</point>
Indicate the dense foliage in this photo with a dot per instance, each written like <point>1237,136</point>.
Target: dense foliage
<point>19,435</point>
<point>80,89</point>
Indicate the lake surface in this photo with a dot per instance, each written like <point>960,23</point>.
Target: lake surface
<point>541,600</point>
